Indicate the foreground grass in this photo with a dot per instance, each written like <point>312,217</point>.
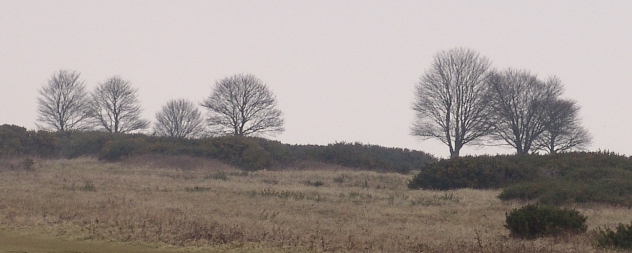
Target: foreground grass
<point>182,204</point>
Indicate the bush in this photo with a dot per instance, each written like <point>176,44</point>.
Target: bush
<point>533,221</point>
<point>482,172</point>
<point>243,152</point>
<point>76,144</point>
<point>584,185</point>
<point>16,141</point>
<point>116,149</point>
<point>369,157</point>
<point>622,238</point>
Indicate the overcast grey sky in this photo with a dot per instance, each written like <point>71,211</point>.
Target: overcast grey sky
<point>341,70</point>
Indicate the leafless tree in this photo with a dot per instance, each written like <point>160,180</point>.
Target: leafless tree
<point>451,100</point>
<point>243,105</point>
<point>179,118</point>
<point>562,128</point>
<point>63,104</point>
<point>520,102</point>
<point>116,107</point>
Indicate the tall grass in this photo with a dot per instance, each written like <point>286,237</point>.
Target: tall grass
<point>143,202</point>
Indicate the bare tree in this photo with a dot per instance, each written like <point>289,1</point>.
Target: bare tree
<point>562,128</point>
<point>179,118</point>
<point>451,100</point>
<point>243,105</point>
<point>520,102</point>
<point>63,104</point>
<point>116,107</point>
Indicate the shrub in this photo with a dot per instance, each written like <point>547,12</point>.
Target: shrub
<point>482,172</point>
<point>534,220</point>
<point>316,183</point>
<point>584,185</point>
<point>116,149</point>
<point>27,164</point>
<point>243,152</point>
<point>76,144</point>
<point>622,238</point>
<point>369,157</point>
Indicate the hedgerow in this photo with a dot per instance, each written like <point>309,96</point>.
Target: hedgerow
<point>249,153</point>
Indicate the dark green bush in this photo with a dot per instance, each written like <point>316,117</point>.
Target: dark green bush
<point>120,148</point>
<point>534,220</point>
<point>17,141</point>
<point>76,144</point>
<point>508,170</point>
<point>369,157</point>
<point>600,185</point>
<point>622,238</point>
<point>480,172</point>
<point>242,152</point>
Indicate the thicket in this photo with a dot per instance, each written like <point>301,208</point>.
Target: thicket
<point>16,141</point>
<point>621,238</point>
<point>555,179</point>
<point>533,221</point>
<point>481,172</point>
<point>371,157</point>
<point>248,153</point>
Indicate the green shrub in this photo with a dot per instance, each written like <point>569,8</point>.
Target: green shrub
<point>243,152</point>
<point>76,144</point>
<point>534,220</point>
<point>116,149</point>
<point>622,238</point>
<point>584,185</point>
<point>482,172</point>
<point>16,141</point>
<point>369,157</point>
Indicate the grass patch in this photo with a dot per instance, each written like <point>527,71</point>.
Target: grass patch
<point>220,175</point>
<point>158,207</point>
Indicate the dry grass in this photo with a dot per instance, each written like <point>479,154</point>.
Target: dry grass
<point>186,204</point>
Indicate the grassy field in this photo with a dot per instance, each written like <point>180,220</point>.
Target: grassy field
<point>181,204</point>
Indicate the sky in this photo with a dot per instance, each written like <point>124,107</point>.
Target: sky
<point>341,70</point>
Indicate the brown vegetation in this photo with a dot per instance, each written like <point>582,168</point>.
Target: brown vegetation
<point>201,205</point>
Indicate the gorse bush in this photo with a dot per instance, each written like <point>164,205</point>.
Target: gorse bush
<point>481,172</point>
<point>125,147</point>
<point>534,220</point>
<point>248,153</point>
<point>622,238</point>
<point>370,157</point>
<point>557,179</point>
<point>600,185</point>
<point>17,141</point>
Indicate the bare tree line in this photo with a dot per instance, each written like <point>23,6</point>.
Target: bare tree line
<point>239,105</point>
<point>460,100</point>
